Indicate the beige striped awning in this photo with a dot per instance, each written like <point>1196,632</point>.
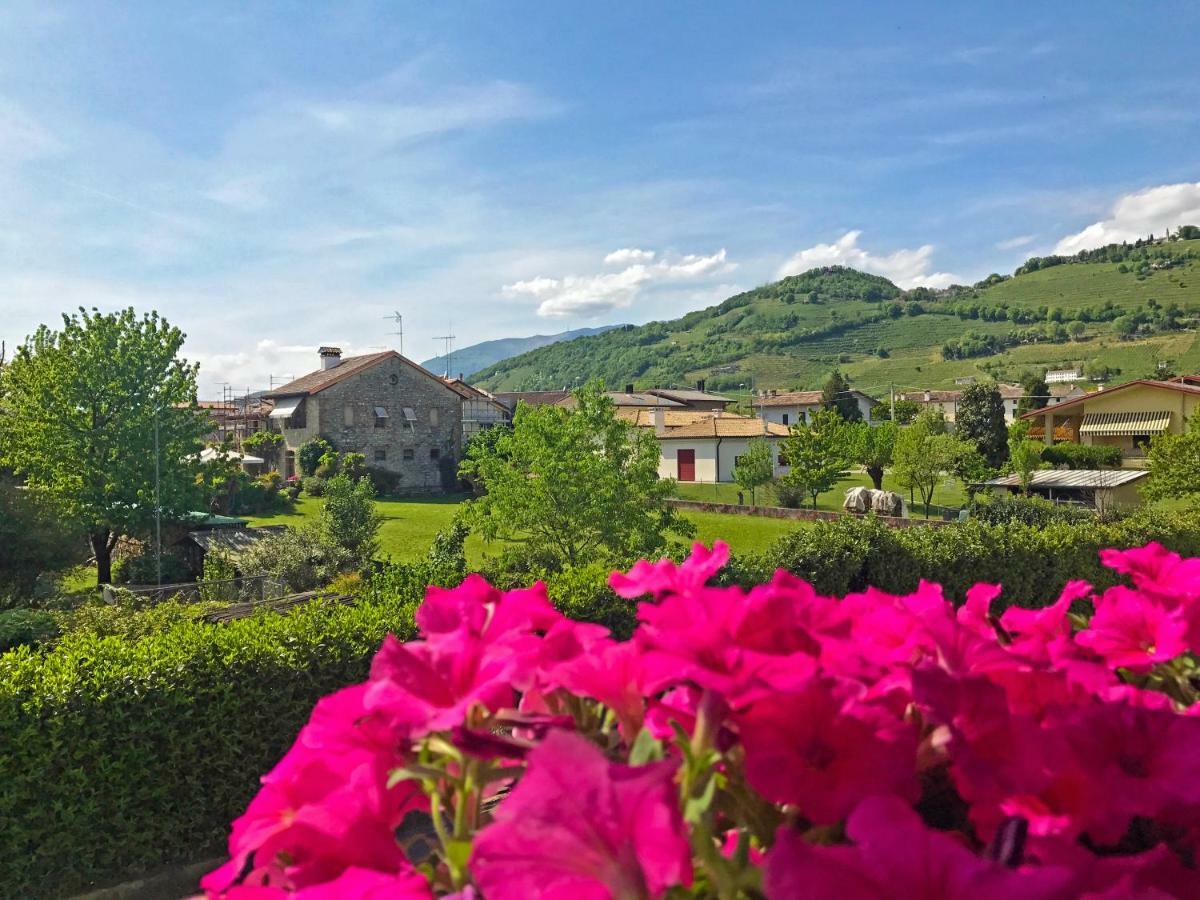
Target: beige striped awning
<point>1125,424</point>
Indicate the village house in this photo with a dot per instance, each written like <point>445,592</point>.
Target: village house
<point>404,419</point>
<point>698,398</point>
<point>947,401</point>
<point>703,446</point>
<point>480,410</point>
<point>788,408</point>
<point>629,398</point>
<point>510,399</point>
<point>1125,416</point>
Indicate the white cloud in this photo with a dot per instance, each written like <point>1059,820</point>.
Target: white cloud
<point>590,295</point>
<point>907,268</point>
<point>1136,215</point>
<point>1021,240</point>
<point>627,255</point>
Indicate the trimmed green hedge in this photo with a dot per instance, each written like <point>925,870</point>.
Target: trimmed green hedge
<point>122,756</point>
<point>1031,562</point>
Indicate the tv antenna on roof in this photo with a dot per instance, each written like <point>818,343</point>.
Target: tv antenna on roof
<point>399,320</point>
<point>449,339</point>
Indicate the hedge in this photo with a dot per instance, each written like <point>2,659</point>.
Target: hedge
<point>1031,562</point>
<point>123,756</point>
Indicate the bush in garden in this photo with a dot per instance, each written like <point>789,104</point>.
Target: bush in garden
<point>773,742</point>
<point>1033,510</point>
<point>26,627</point>
<point>308,457</point>
<point>314,486</point>
<point>302,558</point>
<point>1083,456</point>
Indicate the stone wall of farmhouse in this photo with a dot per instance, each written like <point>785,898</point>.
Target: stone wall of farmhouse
<point>424,452</point>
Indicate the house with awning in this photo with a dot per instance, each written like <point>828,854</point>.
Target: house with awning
<point>1125,416</point>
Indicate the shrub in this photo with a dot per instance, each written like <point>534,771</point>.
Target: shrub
<point>26,627</point>
<point>1033,510</point>
<point>314,486</point>
<point>1033,562</point>
<point>349,517</point>
<point>582,592</point>
<point>129,618</point>
<point>302,558</point>
<point>387,484</point>
<point>123,755</point>
<point>143,568</point>
<point>308,457</point>
<point>1083,456</point>
<point>788,494</point>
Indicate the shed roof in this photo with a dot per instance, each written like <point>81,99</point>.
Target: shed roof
<point>689,395</point>
<point>1081,479</point>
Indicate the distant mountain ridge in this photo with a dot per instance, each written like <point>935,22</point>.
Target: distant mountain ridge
<point>476,357</point>
<point>1121,311</point>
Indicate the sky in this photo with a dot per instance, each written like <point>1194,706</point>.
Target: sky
<point>273,177</point>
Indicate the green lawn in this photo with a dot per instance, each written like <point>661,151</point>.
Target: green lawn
<point>948,493</point>
<point>409,527</point>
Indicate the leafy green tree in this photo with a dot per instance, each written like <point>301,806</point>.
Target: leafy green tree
<point>979,420</point>
<point>1076,330</point>
<point>817,454</point>
<point>309,456</point>
<point>266,444</point>
<point>923,457</point>
<point>350,518</point>
<point>1025,456</point>
<point>83,408</point>
<point>755,467</point>
<point>836,396</point>
<point>577,485</point>
<point>1174,464</point>
<point>906,411</point>
<point>872,447</point>
<point>34,538</point>
<point>1036,391</point>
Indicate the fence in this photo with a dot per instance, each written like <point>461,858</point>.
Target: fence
<point>247,589</point>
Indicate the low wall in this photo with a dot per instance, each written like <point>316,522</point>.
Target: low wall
<point>804,515</point>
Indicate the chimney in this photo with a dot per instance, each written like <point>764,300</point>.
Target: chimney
<point>659,417</point>
<point>629,388</point>
<point>331,357</point>
<point>700,384</point>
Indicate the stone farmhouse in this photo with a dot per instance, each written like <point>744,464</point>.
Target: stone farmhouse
<point>404,419</point>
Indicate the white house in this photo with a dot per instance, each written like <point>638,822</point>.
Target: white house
<point>703,446</point>
<point>787,408</point>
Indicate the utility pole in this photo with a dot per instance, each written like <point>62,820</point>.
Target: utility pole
<point>157,505</point>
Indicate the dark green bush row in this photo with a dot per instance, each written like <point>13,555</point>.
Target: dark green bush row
<point>1083,456</point>
<point>1032,562</point>
<point>1004,508</point>
<point>121,756</point>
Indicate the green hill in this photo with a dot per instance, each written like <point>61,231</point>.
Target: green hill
<point>1123,308</point>
<point>479,356</point>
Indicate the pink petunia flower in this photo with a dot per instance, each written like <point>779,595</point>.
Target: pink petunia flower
<point>578,827</point>
<point>665,576</point>
<point>824,752</point>
<point>1129,630</point>
<point>895,857</point>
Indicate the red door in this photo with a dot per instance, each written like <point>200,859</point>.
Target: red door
<point>687,464</point>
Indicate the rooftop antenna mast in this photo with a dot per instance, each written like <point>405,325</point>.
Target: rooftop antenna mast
<point>448,355</point>
<point>399,320</point>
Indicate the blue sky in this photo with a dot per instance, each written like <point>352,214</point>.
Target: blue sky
<point>273,177</point>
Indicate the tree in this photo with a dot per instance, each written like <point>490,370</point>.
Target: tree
<point>922,457</point>
<point>1174,464</point>
<point>350,517</point>
<point>979,421</point>
<point>577,485</point>
<point>817,454</point>
<point>1025,457</point>
<point>835,395</point>
<point>906,411</point>
<point>1077,330</point>
<point>266,444</point>
<point>308,457</point>
<point>34,538</point>
<point>1037,393</point>
<point>85,410</point>
<point>755,467</point>
<point>872,446</point>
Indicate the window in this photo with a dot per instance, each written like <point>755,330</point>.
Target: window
<point>380,455</point>
<point>785,418</point>
<point>434,453</point>
<point>348,415</point>
<point>408,454</point>
<point>381,417</point>
<point>433,416</point>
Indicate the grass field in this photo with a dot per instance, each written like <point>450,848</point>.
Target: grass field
<point>409,527</point>
<point>949,493</point>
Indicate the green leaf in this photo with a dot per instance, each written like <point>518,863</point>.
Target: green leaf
<point>646,748</point>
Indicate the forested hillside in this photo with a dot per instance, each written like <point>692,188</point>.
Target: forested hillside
<point>471,359</point>
<point>1120,311</point>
